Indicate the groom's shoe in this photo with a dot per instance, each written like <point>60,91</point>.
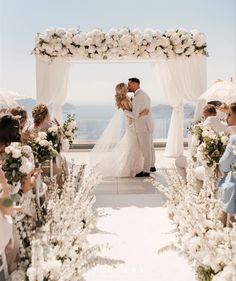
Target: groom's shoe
<point>153,169</point>
<point>143,174</point>
<point>139,174</point>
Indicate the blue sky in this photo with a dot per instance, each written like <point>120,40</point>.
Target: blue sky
<point>20,20</point>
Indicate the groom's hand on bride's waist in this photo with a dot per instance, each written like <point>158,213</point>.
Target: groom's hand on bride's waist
<point>144,112</point>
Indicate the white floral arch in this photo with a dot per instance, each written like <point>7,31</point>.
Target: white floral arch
<point>178,57</point>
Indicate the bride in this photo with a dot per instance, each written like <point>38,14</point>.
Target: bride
<point>116,154</point>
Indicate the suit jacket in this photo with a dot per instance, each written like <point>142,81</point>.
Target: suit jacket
<point>141,101</point>
<point>228,183</point>
<point>214,123</point>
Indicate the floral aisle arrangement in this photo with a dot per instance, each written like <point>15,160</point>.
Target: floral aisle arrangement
<point>119,44</point>
<point>18,162</point>
<point>60,250</point>
<point>69,128</point>
<point>201,237</point>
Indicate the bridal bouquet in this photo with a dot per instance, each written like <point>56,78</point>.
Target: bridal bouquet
<point>19,162</point>
<point>42,148</point>
<point>69,128</point>
<point>211,148</point>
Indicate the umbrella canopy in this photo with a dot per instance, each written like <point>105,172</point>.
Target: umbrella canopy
<point>8,99</point>
<point>224,91</point>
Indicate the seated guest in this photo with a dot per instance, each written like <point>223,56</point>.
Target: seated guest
<point>228,183</point>
<point>231,119</point>
<point>42,122</point>
<point>9,132</point>
<point>41,119</point>
<point>219,113</point>
<point>21,113</point>
<point>211,119</point>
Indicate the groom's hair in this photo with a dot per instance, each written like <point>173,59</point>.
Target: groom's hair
<point>233,108</point>
<point>135,80</point>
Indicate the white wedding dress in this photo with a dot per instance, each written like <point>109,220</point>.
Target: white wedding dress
<point>119,156</point>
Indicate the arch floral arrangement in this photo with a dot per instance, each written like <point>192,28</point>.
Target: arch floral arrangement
<point>59,43</point>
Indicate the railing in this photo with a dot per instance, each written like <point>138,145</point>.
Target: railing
<point>91,129</point>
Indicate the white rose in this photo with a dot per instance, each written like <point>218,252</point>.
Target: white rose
<point>60,31</point>
<point>164,42</point>
<point>88,41</point>
<point>182,30</point>
<point>157,33</point>
<point>26,149</point>
<point>69,133</point>
<point>136,31</point>
<point>73,30</point>
<point>46,37</point>
<point>175,39</point>
<point>147,37</point>
<point>66,39</point>
<point>58,46</point>
<point>81,51</point>
<point>64,51</point>
<point>8,149</point>
<point>138,39</point>
<point>44,143</point>
<point>190,51</point>
<point>51,31</point>
<point>178,49</point>
<point>53,129</point>
<point>16,153</point>
<point>169,32</point>
<point>200,40</point>
<point>149,31</point>
<point>224,140</point>
<point>42,135</point>
<point>26,165</point>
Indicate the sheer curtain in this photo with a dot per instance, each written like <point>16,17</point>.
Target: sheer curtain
<point>180,79</point>
<point>52,84</point>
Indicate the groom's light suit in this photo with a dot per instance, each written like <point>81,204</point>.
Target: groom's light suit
<point>144,127</point>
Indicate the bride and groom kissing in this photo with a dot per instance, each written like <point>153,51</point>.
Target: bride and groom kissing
<point>131,153</point>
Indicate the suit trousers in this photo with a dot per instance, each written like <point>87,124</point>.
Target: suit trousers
<point>145,141</point>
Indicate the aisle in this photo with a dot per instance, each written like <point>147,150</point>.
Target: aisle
<point>133,221</point>
<point>135,226</point>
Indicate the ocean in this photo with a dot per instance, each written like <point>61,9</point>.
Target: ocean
<point>93,119</point>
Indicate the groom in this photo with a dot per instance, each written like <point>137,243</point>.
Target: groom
<point>143,126</point>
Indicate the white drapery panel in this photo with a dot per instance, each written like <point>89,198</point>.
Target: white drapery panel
<point>52,83</point>
<point>180,79</point>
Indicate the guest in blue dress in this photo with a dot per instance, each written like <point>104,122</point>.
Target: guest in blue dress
<point>228,159</point>
<point>228,183</point>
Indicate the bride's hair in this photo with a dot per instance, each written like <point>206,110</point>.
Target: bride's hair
<point>121,91</point>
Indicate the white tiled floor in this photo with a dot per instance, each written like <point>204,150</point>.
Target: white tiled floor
<point>126,185</point>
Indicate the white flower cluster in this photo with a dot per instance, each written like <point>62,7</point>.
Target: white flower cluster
<point>119,44</point>
<point>200,235</point>
<point>207,145</point>
<point>69,129</point>
<point>61,252</point>
<point>24,153</point>
<point>42,140</point>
